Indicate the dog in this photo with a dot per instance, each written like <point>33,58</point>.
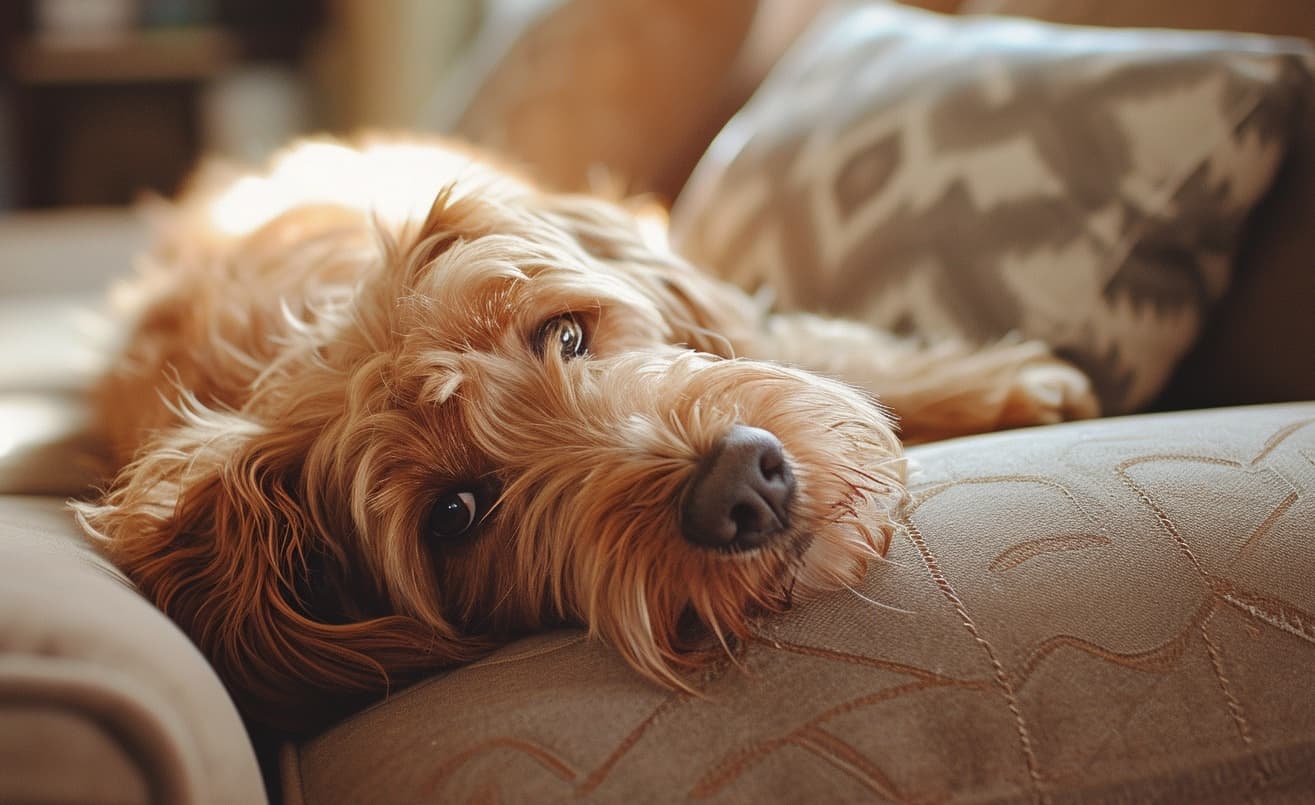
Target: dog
<point>386,405</point>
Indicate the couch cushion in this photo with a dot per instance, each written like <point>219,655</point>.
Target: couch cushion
<point>1119,608</point>
<point>102,699</point>
<point>973,176</point>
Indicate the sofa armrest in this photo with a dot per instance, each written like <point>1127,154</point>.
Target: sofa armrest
<point>102,699</point>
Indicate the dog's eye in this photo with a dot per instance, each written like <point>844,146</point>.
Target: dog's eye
<point>563,334</point>
<point>452,515</point>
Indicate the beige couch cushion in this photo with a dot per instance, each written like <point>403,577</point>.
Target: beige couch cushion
<point>102,699</point>
<point>1121,609</point>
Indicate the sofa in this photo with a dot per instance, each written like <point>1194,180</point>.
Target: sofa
<point>1119,609</point>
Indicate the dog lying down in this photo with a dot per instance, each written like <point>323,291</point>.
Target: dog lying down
<point>385,407</point>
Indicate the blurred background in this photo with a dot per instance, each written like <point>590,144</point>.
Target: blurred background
<point>100,99</point>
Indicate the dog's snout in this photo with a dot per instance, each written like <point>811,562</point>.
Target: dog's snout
<point>740,494</point>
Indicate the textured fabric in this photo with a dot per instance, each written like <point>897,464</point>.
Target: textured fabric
<point>1119,609</point>
<point>97,684</point>
<point>46,742</point>
<point>972,177</point>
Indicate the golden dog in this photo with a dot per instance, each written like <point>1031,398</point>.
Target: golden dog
<point>385,407</point>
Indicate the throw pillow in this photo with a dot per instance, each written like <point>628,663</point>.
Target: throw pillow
<point>974,177</point>
<point>1257,346</point>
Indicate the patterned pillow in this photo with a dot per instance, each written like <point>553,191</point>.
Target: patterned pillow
<point>980,176</point>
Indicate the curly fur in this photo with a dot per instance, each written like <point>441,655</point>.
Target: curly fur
<point>320,350</point>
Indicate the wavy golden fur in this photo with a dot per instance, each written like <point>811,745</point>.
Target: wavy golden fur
<point>325,354</point>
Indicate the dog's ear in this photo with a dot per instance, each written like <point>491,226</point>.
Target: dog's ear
<point>211,522</point>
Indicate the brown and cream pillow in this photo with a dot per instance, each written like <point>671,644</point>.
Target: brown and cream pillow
<point>981,176</point>
<point>1257,346</point>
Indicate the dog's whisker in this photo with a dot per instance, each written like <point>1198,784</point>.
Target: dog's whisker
<point>708,615</point>
<point>872,553</point>
<point>721,639</point>
<point>879,604</point>
<point>886,560</point>
<point>871,478</point>
<point>501,600</point>
<point>788,596</point>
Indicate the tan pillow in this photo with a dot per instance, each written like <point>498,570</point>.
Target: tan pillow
<point>622,85</point>
<point>1257,348</point>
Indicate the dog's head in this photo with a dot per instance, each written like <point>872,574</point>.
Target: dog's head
<point>524,411</point>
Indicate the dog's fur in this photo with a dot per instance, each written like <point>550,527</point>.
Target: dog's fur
<point>324,351</point>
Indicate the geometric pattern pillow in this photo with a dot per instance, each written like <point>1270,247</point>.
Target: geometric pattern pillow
<point>981,176</point>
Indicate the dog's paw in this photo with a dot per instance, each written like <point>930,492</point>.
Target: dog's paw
<point>1050,391</point>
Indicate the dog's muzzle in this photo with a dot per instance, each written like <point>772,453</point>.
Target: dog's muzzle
<point>739,498</point>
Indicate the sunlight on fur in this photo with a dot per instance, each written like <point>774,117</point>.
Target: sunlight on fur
<point>387,406</point>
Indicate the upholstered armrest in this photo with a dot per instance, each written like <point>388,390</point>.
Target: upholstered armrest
<point>1121,609</point>
<point>102,699</point>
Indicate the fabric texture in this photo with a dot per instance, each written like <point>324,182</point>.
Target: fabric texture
<point>102,699</point>
<point>1118,610</point>
<point>976,176</point>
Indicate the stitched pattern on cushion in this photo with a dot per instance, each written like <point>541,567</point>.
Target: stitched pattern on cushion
<point>1120,607</point>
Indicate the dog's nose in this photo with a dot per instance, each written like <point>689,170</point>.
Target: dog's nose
<point>739,496</point>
